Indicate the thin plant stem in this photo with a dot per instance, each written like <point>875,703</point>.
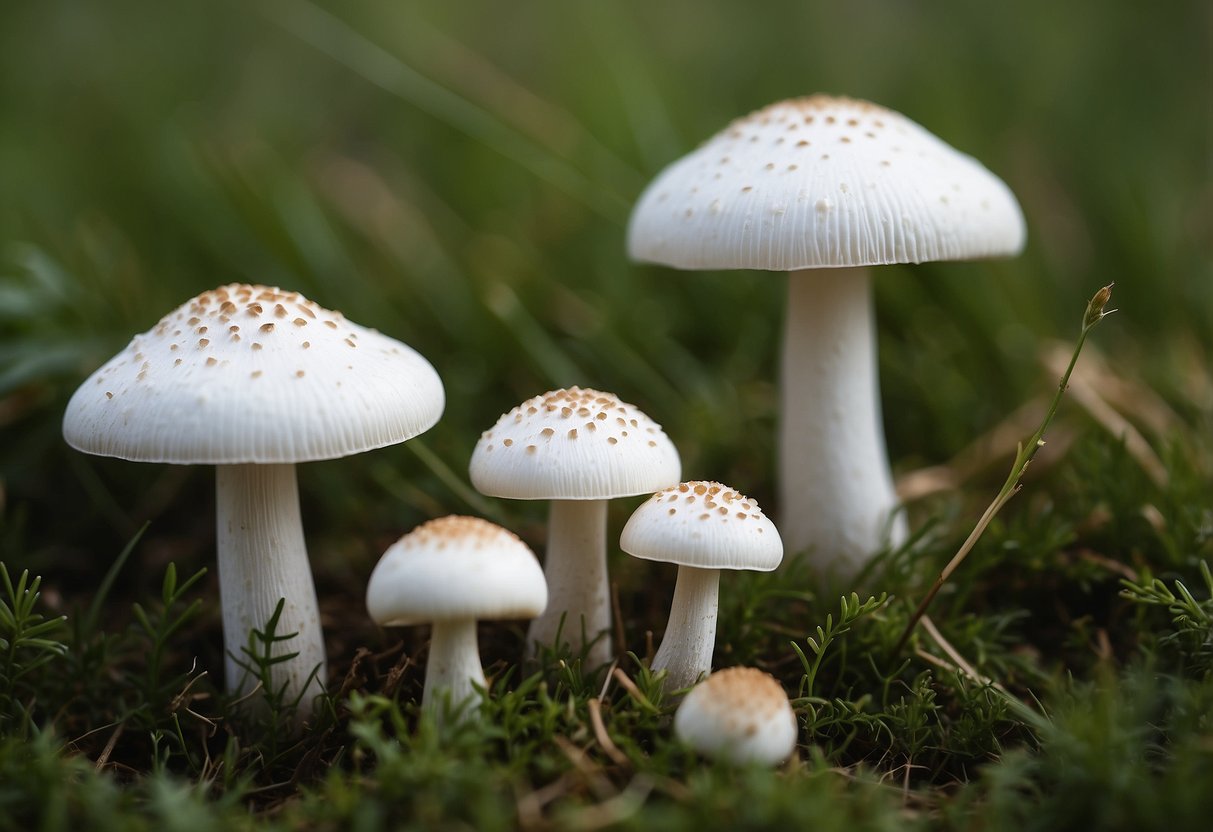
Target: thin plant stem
<point>1024,454</point>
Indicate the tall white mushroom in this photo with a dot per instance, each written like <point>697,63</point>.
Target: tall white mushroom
<point>823,187</point>
<point>253,380</point>
<point>450,572</point>
<point>577,448</point>
<point>703,527</point>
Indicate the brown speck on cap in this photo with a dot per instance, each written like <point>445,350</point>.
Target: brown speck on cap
<point>267,327</point>
<point>203,342</point>
<point>212,361</point>
<point>299,373</point>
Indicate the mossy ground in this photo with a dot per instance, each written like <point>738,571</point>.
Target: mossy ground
<point>458,176</point>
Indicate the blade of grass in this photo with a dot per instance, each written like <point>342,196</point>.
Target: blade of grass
<point>1023,458</point>
<point>348,47</point>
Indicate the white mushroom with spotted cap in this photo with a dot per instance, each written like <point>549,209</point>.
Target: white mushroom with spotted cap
<point>253,380</point>
<point>824,187</point>
<point>703,527</point>
<point>577,448</point>
<point>451,572</point>
<point>740,715</point>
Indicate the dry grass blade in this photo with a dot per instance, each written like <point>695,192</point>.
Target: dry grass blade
<point>604,739</point>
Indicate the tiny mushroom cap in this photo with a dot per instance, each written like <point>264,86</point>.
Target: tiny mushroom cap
<point>823,181</point>
<point>705,525</point>
<point>574,444</point>
<point>740,715</point>
<point>253,374</point>
<point>456,568</point>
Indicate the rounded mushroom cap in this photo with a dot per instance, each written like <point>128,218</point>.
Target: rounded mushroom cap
<point>740,715</point>
<point>456,567</point>
<point>705,525</point>
<point>574,444</point>
<point>252,374</point>
<point>823,181</point>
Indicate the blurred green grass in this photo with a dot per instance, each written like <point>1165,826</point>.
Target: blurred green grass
<point>458,175</point>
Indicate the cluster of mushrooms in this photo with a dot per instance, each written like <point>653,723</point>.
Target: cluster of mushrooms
<point>254,380</point>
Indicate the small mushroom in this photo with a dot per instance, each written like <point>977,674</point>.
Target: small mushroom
<point>703,527</point>
<point>740,715</point>
<point>451,572</point>
<point>253,380</point>
<point>578,448</point>
<point>823,187</point>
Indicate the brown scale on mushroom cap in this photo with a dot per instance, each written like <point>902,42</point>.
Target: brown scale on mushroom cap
<point>885,192</point>
<point>743,694</point>
<point>216,397</point>
<point>473,531</point>
<point>573,443</point>
<point>726,502</point>
<point>703,524</point>
<point>739,714</point>
<point>456,567</point>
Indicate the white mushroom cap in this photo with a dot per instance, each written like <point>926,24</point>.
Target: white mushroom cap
<point>823,181</point>
<point>741,715</point>
<point>455,568</point>
<point>706,525</point>
<point>251,374</point>
<point>574,444</point>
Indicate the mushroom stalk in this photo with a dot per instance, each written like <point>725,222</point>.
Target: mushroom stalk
<point>263,558</point>
<point>690,636</point>
<point>453,666</point>
<point>576,571</point>
<point>836,490</point>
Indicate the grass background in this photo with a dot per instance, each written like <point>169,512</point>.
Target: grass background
<point>458,175</point>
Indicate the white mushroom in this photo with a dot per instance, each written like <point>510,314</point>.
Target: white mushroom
<point>577,448</point>
<point>703,527</point>
<point>253,380</point>
<point>740,715</point>
<point>451,572</point>
<point>822,187</point>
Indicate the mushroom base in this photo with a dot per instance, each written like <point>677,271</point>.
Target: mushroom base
<point>262,559</point>
<point>836,490</point>
<point>690,637</point>
<point>579,600</point>
<point>453,669</point>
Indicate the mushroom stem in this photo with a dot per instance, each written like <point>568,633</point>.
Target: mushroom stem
<point>262,558</point>
<point>453,666</point>
<point>836,491</point>
<point>690,636</point>
<point>576,572</point>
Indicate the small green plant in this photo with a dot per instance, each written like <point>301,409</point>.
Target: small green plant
<point>28,642</point>
<point>852,610</point>
<point>1191,619</point>
<point>159,626</point>
<point>1095,312</point>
